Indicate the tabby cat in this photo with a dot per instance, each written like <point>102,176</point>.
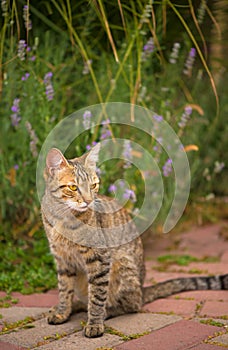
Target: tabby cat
<point>107,281</point>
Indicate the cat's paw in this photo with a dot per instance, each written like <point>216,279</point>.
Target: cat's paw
<point>55,317</point>
<point>94,330</point>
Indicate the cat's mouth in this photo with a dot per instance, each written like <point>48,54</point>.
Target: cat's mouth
<point>81,207</point>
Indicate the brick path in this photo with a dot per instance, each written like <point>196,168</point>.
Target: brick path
<point>191,320</point>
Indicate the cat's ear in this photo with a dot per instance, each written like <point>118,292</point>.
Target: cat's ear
<point>91,158</point>
<point>55,160</point>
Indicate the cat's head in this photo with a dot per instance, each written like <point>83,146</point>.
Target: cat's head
<point>73,182</point>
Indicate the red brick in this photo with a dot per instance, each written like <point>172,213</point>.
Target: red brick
<point>224,257</point>
<point>217,295</point>
<point>179,307</point>
<point>182,335</point>
<point>2,294</point>
<point>8,346</point>
<point>36,300</point>
<point>53,291</point>
<point>214,309</point>
<point>206,347</point>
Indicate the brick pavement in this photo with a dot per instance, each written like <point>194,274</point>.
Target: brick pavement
<point>190,320</point>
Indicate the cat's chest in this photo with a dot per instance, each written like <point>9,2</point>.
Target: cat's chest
<point>68,252</point>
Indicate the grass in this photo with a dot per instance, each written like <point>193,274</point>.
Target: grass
<point>27,267</point>
<point>183,260</point>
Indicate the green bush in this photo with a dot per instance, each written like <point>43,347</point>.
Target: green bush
<point>73,56</point>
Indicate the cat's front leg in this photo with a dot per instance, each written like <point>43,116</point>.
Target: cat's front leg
<point>61,312</point>
<point>98,281</point>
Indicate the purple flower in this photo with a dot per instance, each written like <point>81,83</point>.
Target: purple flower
<point>148,49</point>
<point>129,195</point>
<point>15,117</point>
<point>21,49</point>
<point>27,20</point>
<point>189,62</point>
<point>87,64</point>
<point>192,52</point>
<point>48,86</point>
<point>174,54</point>
<point>112,188</point>
<point>16,166</point>
<point>127,154</point>
<point>87,119</point>
<point>105,132</point>
<point>158,118</point>
<point>167,167</point>
<point>25,77</point>
<point>33,139</point>
<point>185,117</point>
<point>4,6</point>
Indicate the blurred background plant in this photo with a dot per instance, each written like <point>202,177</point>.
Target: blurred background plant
<point>59,56</point>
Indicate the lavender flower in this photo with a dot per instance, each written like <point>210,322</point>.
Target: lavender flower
<point>33,139</point>
<point>218,167</point>
<point>189,62</point>
<point>4,6</point>
<point>142,94</point>
<point>48,86</point>
<point>87,119</point>
<point>15,117</point>
<point>129,195</point>
<point>88,147</point>
<point>127,154</point>
<point>87,64</point>
<point>25,77</point>
<point>167,167</point>
<point>148,49</point>
<point>158,118</point>
<point>146,13</point>
<point>185,117</point>
<point>16,166</point>
<point>27,20</point>
<point>105,132</point>
<point>174,53</point>
<point>112,188</point>
<point>21,49</point>
<point>201,11</point>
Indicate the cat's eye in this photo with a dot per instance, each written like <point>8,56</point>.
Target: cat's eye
<point>93,186</point>
<point>73,187</point>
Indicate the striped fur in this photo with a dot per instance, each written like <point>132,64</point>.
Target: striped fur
<point>107,281</point>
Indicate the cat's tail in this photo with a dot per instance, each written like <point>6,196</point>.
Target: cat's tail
<point>177,285</point>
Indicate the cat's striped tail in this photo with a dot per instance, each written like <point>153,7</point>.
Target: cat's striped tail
<point>177,285</point>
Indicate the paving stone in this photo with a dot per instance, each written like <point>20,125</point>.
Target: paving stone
<point>32,336</point>
<point>221,340</point>
<point>208,319</point>
<point>36,300</point>
<point>78,342</point>
<point>205,268</point>
<point>141,322</point>
<point>179,336</point>
<point>205,347</point>
<point>203,241</point>
<point>12,314</point>
<point>2,294</point>
<point>218,295</point>
<point>7,346</point>
<point>183,307</point>
<point>214,309</point>
<point>224,257</point>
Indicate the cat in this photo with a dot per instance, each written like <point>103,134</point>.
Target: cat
<point>108,281</point>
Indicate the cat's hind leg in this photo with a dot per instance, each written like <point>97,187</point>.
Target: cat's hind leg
<point>125,292</point>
